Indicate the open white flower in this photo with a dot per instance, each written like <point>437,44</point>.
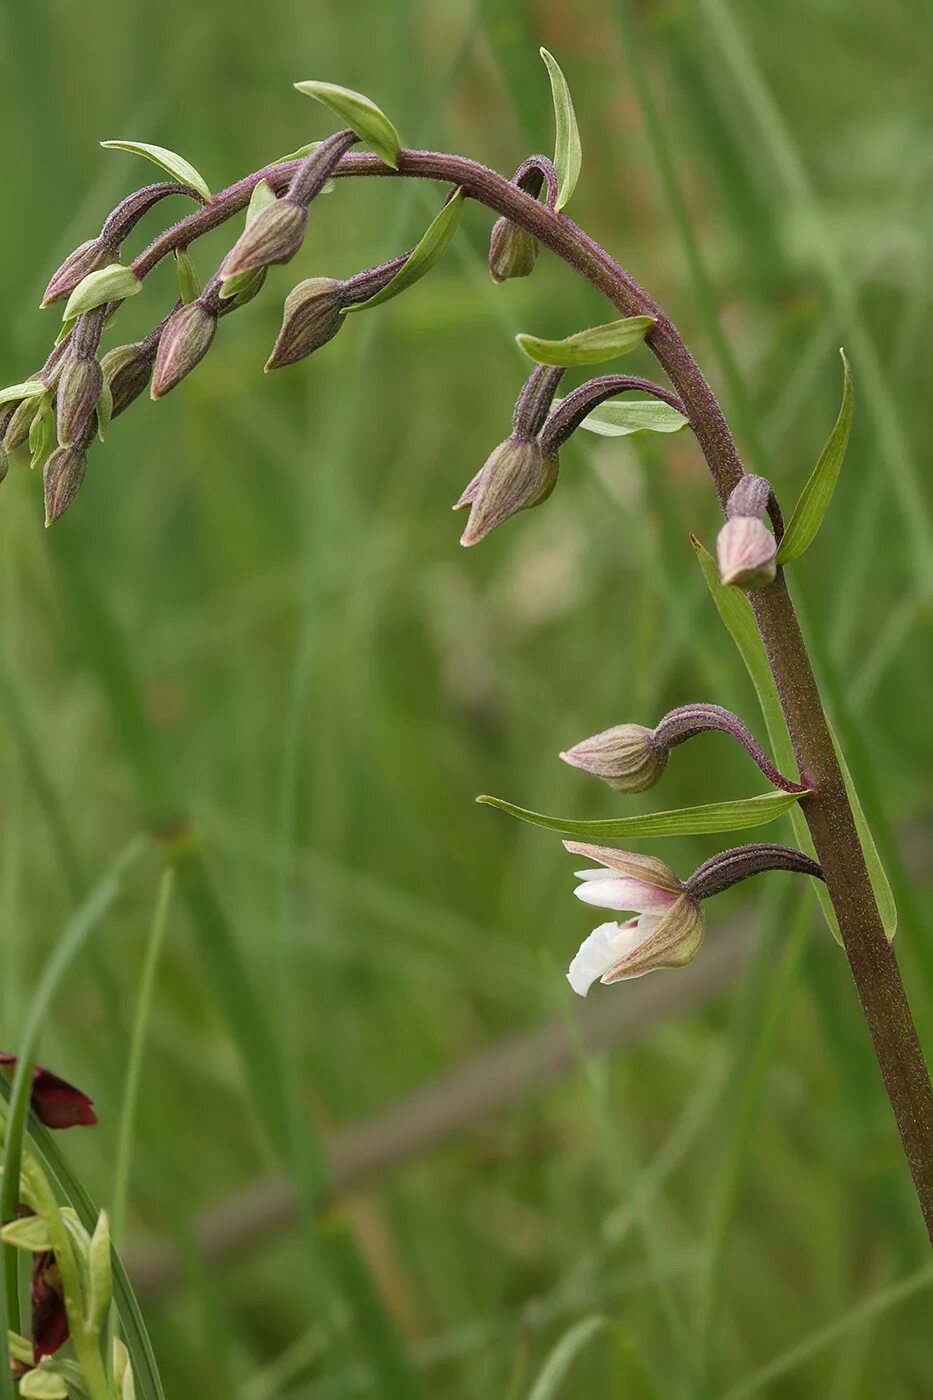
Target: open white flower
<point>667,931</point>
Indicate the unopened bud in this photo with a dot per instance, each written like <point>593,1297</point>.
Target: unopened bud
<point>627,757</point>
<point>239,290</point>
<point>183,344</point>
<point>88,258</point>
<point>311,317</point>
<point>64,473</point>
<point>746,550</point>
<point>518,474</point>
<point>273,236</point>
<point>749,497</point>
<point>100,1274</point>
<point>127,370</point>
<point>513,251</point>
<point>78,391</point>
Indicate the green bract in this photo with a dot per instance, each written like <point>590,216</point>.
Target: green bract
<point>361,114</point>
<point>815,497</point>
<point>567,153</point>
<point>429,251</point>
<point>176,165</point>
<point>685,821</point>
<point>589,347</point>
<point>621,417</point>
<point>111,283</point>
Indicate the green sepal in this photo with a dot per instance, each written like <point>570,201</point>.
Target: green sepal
<point>735,815</point>
<point>361,114</point>
<point>41,434</point>
<point>43,1384</point>
<point>104,410</point>
<point>176,165</point>
<point>589,347</point>
<point>567,153</point>
<point>29,1233</point>
<point>429,251</point>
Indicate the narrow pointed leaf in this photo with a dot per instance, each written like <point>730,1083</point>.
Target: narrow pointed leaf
<point>189,284</point>
<point>619,418</point>
<point>361,114</point>
<point>437,239</point>
<point>589,347</point>
<point>549,1384</point>
<point>176,165</point>
<point>736,613</point>
<point>567,154</point>
<point>815,497</point>
<point>686,821</point>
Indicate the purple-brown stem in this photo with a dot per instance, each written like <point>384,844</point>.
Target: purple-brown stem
<point>827,810</point>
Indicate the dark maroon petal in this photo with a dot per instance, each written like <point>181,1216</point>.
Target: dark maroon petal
<point>55,1102</point>
<point>49,1319</point>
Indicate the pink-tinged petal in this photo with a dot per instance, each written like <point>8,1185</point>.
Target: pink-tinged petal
<point>619,892</point>
<point>629,863</point>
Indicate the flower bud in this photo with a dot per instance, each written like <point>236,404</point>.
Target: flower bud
<point>63,474</point>
<point>127,370</point>
<point>627,757</point>
<point>513,251</point>
<point>311,317</point>
<point>183,344</point>
<point>273,236</point>
<point>78,391</point>
<point>88,258</point>
<point>746,549</point>
<point>518,474</point>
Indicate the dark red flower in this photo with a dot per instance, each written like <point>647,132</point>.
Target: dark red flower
<point>49,1319</point>
<point>55,1102</point>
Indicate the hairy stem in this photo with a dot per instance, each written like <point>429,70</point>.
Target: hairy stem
<point>828,812</point>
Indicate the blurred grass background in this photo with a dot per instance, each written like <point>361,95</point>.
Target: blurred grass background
<point>333,681</point>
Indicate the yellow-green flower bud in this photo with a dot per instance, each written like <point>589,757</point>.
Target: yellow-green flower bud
<point>127,370</point>
<point>627,757</point>
<point>63,474</point>
<point>513,251</point>
<point>273,236</point>
<point>518,474</point>
<point>183,344</point>
<point>78,391</point>
<point>311,317</point>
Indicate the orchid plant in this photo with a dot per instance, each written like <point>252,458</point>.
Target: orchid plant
<point>74,397</point>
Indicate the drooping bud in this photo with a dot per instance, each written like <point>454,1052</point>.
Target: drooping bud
<point>513,251</point>
<point>273,236</point>
<point>311,317</point>
<point>127,370</point>
<point>517,475</point>
<point>746,550</point>
<point>87,258</point>
<point>78,391</point>
<point>183,344</point>
<point>627,757</point>
<point>62,476</point>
